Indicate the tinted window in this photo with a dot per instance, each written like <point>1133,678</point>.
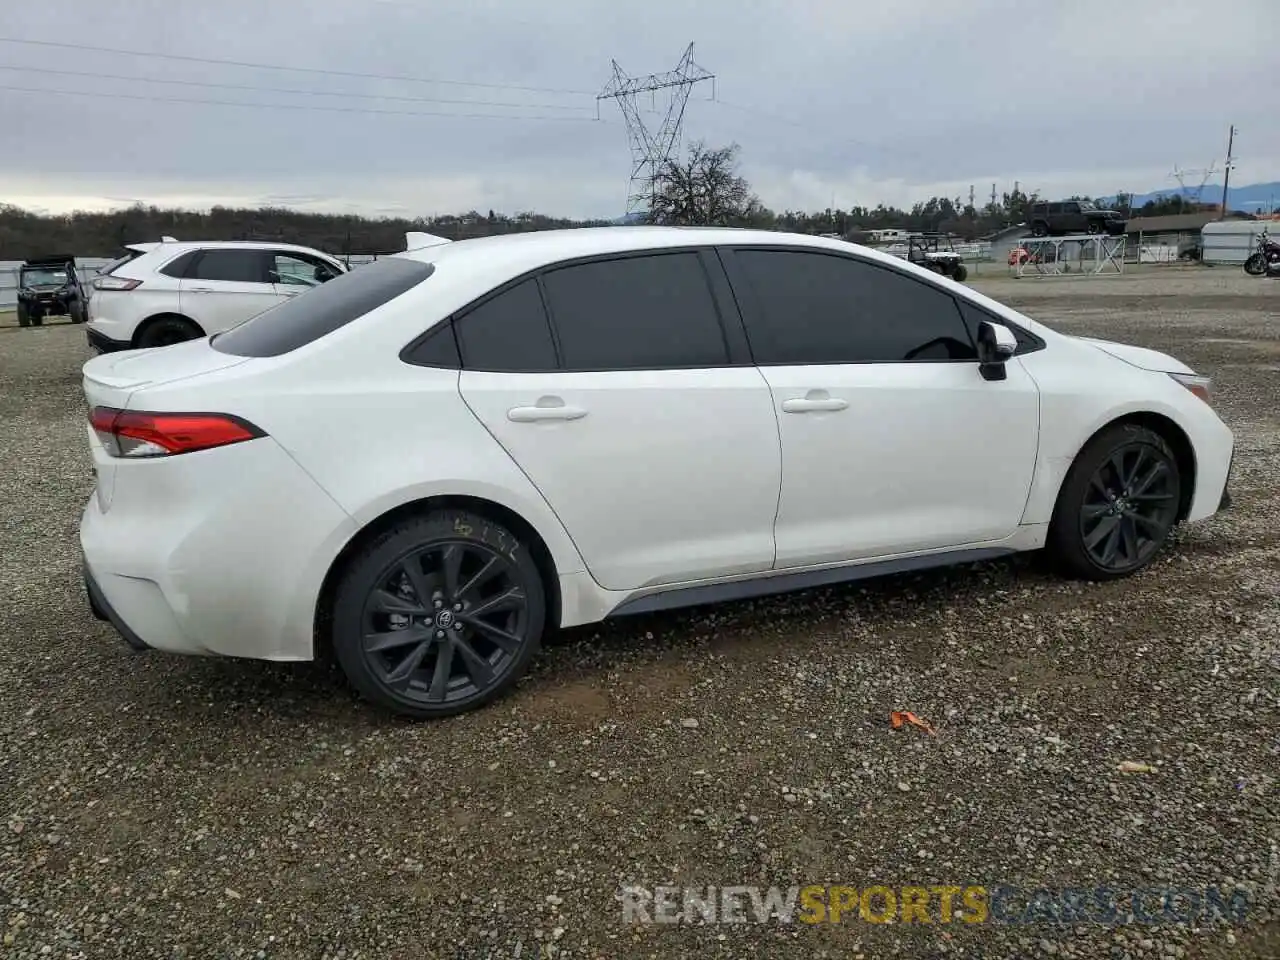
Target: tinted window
<point>178,266</point>
<point>635,313</point>
<point>508,332</point>
<point>322,310</point>
<point>436,348</point>
<point>243,266</point>
<point>816,308</point>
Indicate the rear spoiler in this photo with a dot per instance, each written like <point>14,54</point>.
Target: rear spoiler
<point>419,241</point>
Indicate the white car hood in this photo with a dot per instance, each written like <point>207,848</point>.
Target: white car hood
<point>1139,356</point>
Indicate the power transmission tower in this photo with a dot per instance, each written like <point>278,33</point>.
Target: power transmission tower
<point>1204,175</point>
<point>652,147</point>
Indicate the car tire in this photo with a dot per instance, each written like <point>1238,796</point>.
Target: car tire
<point>960,273</point>
<point>167,331</point>
<point>466,595</point>
<point>24,316</point>
<point>77,312</point>
<point>1117,505</point>
<point>1094,227</point>
<point>1039,229</point>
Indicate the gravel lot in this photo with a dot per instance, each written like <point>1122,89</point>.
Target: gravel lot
<point>155,806</point>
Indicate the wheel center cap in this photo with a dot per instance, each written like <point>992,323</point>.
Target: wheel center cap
<point>444,619</point>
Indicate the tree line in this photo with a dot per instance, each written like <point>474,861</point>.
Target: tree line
<point>700,188</point>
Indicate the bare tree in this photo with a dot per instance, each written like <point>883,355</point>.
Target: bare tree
<point>703,190</point>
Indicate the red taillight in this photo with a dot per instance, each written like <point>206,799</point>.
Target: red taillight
<point>136,433</point>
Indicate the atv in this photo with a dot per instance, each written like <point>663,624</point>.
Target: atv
<point>928,250</point>
<point>50,287</point>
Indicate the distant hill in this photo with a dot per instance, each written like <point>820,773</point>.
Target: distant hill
<point>1251,198</point>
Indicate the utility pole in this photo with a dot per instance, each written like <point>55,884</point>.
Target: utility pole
<point>650,148</point>
<point>1226,175</point>
<point>993,196</point>
<point>971,195</point>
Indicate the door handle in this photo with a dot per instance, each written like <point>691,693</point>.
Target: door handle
<point>812,402</point>
<point>200,289</point>
<point>547,408</point>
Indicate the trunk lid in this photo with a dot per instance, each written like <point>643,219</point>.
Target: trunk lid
<point>110,379</point>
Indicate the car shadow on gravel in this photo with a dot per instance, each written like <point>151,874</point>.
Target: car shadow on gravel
<point>201,692</point>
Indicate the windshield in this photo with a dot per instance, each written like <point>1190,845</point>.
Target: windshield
<point>42,276</point>
<point>1087,205</point>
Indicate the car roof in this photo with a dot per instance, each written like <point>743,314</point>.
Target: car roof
<point>514,253</point>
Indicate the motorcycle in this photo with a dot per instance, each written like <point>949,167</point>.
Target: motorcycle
<point>1264,260</point>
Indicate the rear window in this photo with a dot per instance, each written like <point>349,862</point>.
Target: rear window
<point>323,309</point>
<point>119,262</point>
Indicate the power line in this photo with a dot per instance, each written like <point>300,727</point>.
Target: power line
<point>309,93</point>
<point>276,66</point>
<point>810,128</point>
<point>300,106</point>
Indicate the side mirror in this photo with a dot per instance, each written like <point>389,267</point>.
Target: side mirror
<point>996,344</point>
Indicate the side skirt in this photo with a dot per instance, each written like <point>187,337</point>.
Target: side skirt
<point>766,585</point>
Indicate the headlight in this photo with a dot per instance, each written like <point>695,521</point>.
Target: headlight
<point>1200,386</point>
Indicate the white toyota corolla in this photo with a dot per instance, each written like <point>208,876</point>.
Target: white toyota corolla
<point>425,464</point>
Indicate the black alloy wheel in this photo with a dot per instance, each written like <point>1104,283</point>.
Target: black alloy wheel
<point>438,616</point>
<point>1118,504</point>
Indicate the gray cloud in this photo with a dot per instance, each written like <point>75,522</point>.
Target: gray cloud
<point>860,103</point>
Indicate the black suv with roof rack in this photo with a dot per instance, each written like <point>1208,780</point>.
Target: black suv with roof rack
<point>1066,217</point>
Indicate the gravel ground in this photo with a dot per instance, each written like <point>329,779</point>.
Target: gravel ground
<point>155,806</point>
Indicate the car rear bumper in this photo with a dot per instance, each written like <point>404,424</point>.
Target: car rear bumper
<point>216,553</point>
<point>104,344</point>
<point>102,610</point>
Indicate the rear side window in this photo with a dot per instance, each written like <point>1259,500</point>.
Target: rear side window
<point>820,308</point>
<point>239,266</point>
<point>635,313</point>
<point>178,266</point>
<point>507,333</point>
<point>323,309</point>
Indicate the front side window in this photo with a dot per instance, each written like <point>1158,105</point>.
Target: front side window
<point>648,312</point>
<point>299,270</point>
<point>819,308</point>
<point>236,266</point>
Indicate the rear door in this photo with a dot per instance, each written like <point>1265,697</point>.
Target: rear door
<point>224,286</point>
<point>622,389</point>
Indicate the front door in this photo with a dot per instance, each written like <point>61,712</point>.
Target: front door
<point>225,286</point>
<point>659,456</point>
<point>892,442</point>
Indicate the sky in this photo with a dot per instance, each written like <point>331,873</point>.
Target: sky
<point>851,102</point>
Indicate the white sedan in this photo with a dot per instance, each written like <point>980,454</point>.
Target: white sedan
<point>426,463</point>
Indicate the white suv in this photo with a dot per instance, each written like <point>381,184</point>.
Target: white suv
<point>167,292</point>
<point>427,463</point>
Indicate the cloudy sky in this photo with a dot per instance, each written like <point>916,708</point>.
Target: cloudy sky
<point>856,101</point>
